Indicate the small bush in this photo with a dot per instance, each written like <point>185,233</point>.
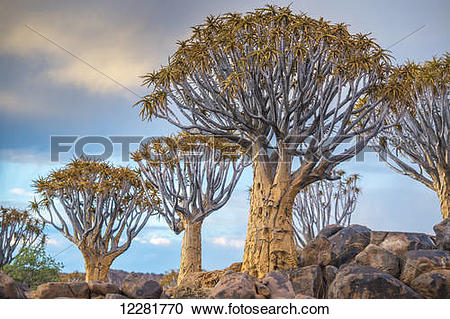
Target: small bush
<point>33,267</point>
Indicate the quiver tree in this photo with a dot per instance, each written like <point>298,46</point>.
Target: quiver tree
<point>324,203</point>
<point>194,177</point>
<point>98,207</point>
<point>419,145</point>
<point>283,86</point>
<point>18,230</point>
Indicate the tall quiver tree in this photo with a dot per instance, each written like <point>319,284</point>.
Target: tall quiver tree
<point>18,230</point>
<point>419,145</point>
<point>283,86</point>
<point>98,207</point>
<point>194,177</point>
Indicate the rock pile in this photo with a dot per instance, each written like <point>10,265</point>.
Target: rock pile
<point>341,262</point>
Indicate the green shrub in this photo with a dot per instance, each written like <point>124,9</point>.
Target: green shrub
<point>33,267</point>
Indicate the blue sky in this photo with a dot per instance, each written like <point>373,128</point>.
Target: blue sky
<point>44,91</point>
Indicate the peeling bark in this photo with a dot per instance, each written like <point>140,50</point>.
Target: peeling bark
<point>97,267</point>
<point>191,251</point>
<point>270,242</point>
<point>443,192</point>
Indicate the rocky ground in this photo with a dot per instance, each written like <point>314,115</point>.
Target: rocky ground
<point>341,262</point>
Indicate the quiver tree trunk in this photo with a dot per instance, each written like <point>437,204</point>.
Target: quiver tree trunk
<point>270,242</point>
<point>97,267</point>
<point>443,191</point>
<point>191,249</point>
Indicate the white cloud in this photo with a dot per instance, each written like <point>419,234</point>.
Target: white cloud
<point>228,242</point>
<point>54,242</point>
<point>157,241</point>
<point>20,192</point>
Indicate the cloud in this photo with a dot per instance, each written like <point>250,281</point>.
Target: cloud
<point>97,39</point>
<point>157,241</point>
<point>228,242</point>
<point>20,192</point>
<point>54,242</point>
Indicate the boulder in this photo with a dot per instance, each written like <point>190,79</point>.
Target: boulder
<point>434,284</point>
<point>307,280</point>
<point>417,262</point>
<point>141,286</point>
<point>399,243</point>
<point>365,282</point>
<point>442,231</point>
<point>9,289</point>
<point>279,285</point>
<point>316,252</point>
<point>185,291</point>
<point>379,258</point>
<point>115,296</point>
<point>347,243</point>
<point>329,230</point>
<point>52,290</point>
<point>235,286</point>
<point>262,290</point>
<point>329,273</point>
<point>335,246</point>
<point>102,288</point>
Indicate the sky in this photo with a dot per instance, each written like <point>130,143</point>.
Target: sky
<point>47,90</point>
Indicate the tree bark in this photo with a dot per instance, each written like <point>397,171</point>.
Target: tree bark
<point>191,249</point>
<point>443,191</point>
<point>270,241</point>
<point>97,267</point>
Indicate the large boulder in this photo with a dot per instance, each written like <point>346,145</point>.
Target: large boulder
<point>365,282</point>
<point>279,285</point>
<point>329,273</point>
<point>307,280</point>
<point>235,286</point>
<point>433,284</point>
<point>53,290</point>
<point>141,286</point>
<point>442,231</point>
<point>379,258</point>
<point>329,230</point>
<point>417,262</point>
<point>347,243</point>
<point>9,289</point>
<point>399,243</point>
<point>335,246</point>
<point>102,288</point>
<point>316,252</point>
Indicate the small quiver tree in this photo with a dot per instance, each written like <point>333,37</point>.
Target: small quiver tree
<point>419,145</point>
<point>324,203</point>
<point>18,230</point>
<point>194,176</point>
<point>287,88</point>
<point>98,207</point>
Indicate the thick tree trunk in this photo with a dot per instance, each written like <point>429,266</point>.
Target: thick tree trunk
<point>270,241</point>
<point>191,250</point>
<point>443,192</point>
<point>97,268</point>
